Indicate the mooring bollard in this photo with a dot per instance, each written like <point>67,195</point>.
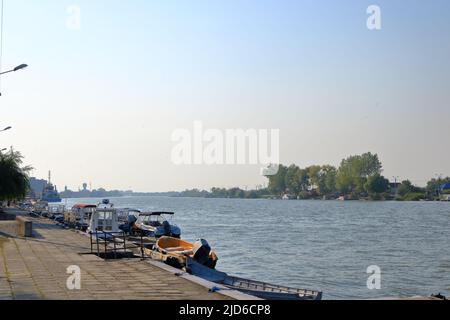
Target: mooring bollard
<point>24,227</point>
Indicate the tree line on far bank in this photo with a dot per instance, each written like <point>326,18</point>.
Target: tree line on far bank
<point>357,177</point>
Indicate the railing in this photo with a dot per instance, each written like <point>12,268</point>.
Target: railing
<point>114,245</point>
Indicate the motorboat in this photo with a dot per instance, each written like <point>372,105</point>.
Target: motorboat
<point>258,289</point>
<point>80,216</point>
<point>124,214</point>
<point>176,252</point>
<point>55,210</point>
<point>155,224</point>
<point>39,208</point>
<point>104,223</point>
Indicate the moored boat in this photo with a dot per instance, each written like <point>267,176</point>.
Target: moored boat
<point>55,210</point>
<point>39,208</point>
<point>104,221</point>
<point>81,215</point>
<point>124,214</point>
<point>155,224</point>
<point>258,289</point>
<point>176,252</point>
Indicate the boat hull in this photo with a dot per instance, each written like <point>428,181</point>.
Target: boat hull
<point>175,252</point>
<point>258,289</point>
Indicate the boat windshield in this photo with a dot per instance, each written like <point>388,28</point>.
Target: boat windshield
<point>56,209</point>
<point>125,213</point>
<point>153,221</point>
<point>105,221</point>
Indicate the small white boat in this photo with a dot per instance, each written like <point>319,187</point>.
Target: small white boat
<point>55,210</point>
<point>124,214</point>
<point>104,221</point>
<point>156,224</point>
<point>39,208</point>
<point>81,215</point>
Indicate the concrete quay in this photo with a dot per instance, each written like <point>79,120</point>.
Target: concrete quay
<point>36,269</point>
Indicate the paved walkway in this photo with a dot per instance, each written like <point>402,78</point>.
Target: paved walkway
<point>35,268</point>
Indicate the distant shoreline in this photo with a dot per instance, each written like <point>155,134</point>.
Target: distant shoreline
<point>165,195</point>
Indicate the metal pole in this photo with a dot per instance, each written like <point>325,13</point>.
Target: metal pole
<point>104,239</point>
<point>115,252</point>
<point>98,244</point>
<point>142,247</point>
<point>124,244</point>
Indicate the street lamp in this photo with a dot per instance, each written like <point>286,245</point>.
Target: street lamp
<point>20,67</point>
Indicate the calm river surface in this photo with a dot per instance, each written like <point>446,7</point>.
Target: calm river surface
<point>323,245</point>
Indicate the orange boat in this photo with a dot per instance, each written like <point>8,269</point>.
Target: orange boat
<point>175,252</point>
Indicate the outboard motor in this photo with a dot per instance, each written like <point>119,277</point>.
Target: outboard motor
<point>201,251</point>
<point>132,220</point>
<point>167,228</point>
<point>126,227</point>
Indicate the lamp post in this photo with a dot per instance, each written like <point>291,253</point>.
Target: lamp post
<point>20,67</point>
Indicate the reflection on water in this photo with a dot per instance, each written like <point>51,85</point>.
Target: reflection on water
<point>323,245</point>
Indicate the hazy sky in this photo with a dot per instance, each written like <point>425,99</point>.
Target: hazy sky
<point>99,104</point>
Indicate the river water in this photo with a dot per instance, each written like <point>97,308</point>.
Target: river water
<point>321,245</point>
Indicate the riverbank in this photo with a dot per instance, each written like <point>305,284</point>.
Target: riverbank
<point>36,269</point>
<point>322,245</point>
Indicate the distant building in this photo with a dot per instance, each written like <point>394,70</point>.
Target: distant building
<point>393,187</point>
<point>37,186</point>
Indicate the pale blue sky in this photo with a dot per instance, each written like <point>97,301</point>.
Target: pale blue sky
<point>94,100</point>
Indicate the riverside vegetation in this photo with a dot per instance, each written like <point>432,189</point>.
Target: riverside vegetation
<point>358,177</point>
<point>14,181</point>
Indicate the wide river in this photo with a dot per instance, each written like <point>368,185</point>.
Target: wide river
<point>322,245</point>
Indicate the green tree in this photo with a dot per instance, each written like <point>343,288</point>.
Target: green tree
<point>376,186</point>
<point>291,181</point>
<point>14,181</point>
<point>355,170</point>
<point>314,176</point>
<point>327,180</point>
<point>277,182</point>
<point>405,188</point>
<point>301,176</point>
<point>409,192</point>
<point>435,184</point>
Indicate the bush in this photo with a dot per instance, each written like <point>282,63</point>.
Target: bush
<point>304,195</point>
<point>412,196</point>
